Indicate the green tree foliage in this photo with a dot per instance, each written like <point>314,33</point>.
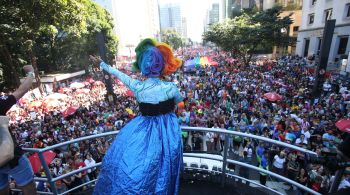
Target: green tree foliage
<point>51,35</point>
<point>250,33</point>
<point>172,38</point>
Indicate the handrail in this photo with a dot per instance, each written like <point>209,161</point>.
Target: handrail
<point>76,171</point>
<point>38,192</point>
<point>217,130</point>
<point>70,142</point>
<point>79,186</point>
<point>256,169</point>
<point>238,177</point>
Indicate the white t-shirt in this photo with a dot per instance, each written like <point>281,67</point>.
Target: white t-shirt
<point>278,162</point>
<point>89,163</point>
<point>306,133</point>
<point>298,141</point>
<point>249,151</point>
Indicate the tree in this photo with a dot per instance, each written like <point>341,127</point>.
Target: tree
<point>250,33</point>
<point>172,38</point>
<point>27,20</point>
<point>51,35</point>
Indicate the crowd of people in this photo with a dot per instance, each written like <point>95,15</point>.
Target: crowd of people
<point>229,96</point>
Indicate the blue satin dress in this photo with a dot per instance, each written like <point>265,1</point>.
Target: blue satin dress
<point>146,156</point>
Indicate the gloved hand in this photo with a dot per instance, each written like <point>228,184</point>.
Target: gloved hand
<point>96,60</point>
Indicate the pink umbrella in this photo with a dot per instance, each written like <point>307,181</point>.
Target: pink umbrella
<point>343,125</point>
<point>273,97</point>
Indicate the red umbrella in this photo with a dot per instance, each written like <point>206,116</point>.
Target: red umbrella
<point>35,160</point>
<point>70,110</point>
<point>343,125</point>
<point>129,93</point>
<point>273,97</point>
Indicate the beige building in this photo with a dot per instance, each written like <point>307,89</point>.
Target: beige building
<point>292,31</point>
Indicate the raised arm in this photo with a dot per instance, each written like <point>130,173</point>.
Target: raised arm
<point>127,80</point>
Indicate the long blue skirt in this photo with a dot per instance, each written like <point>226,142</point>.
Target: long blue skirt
<point>145,158</point>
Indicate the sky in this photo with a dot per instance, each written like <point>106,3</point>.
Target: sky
<point>131,29</point>
<point>194,11</point>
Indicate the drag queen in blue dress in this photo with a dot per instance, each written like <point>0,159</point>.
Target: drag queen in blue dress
<point>146,156</point>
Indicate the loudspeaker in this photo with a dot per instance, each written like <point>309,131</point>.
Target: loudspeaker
<point>325,48</point>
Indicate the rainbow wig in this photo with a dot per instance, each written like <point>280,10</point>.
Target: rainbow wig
<point>155,59</point>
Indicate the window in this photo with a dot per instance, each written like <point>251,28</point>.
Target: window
<point>306,47</point>
<point>313,2</point>
<point>319,46</point>
<point>343,42</point>
<point>327,14</point>
<point>311,18</point>
<point>295,28</point>
<point>347,9</point>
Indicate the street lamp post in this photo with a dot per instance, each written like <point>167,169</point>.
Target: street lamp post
<point>110,96</point>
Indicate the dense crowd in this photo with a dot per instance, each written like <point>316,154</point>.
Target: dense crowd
<point>229,96</point>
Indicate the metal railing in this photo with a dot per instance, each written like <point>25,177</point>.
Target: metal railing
<point>52,180</point>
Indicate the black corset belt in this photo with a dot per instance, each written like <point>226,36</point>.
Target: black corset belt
<point>164,107</point>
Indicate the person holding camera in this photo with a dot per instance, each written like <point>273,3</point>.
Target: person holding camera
<point>12,160</point>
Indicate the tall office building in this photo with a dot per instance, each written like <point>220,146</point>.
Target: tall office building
<point>212,16</point>
<point>230,8</point>
<point>314,15</point>
<point>214,13</point>
<point>171,17</point>
<point>184,27</point>
<point>134,20</point>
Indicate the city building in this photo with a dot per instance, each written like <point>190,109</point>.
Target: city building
<point>214,14</point>
<point>171,17</point>
<point>184,27</point>
<point>134,20</point>
<point>267,4</point>
<point>292,30</point>
<point>314,15</point>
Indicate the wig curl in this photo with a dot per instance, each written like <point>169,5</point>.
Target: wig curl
<point>155,59</point>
